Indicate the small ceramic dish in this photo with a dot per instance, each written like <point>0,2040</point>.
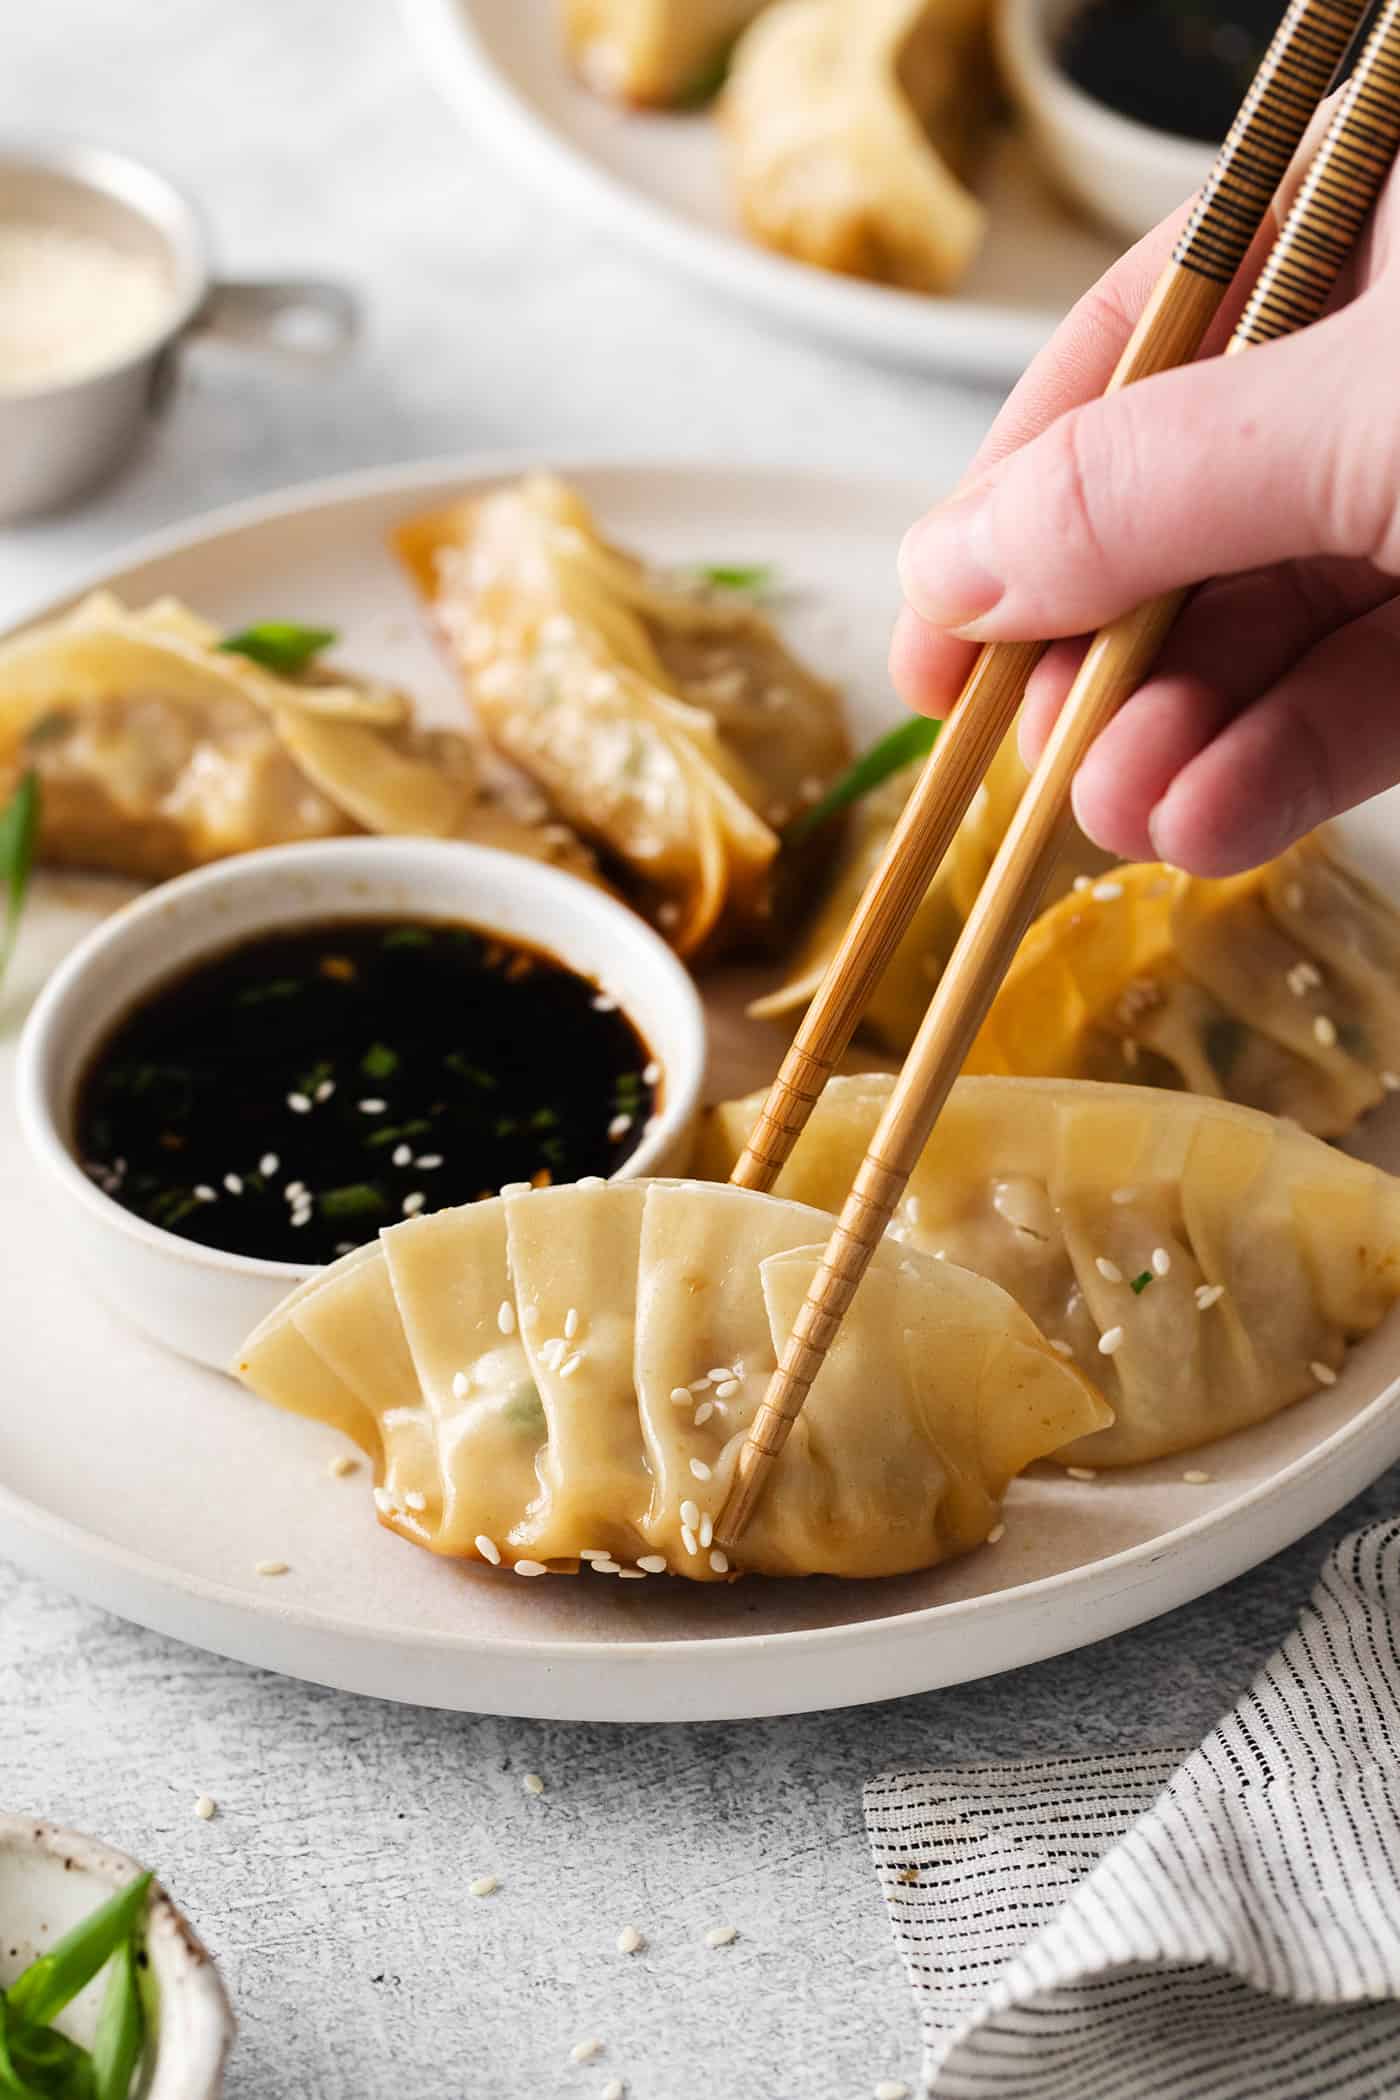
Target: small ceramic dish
<point>58,437</point>
<point>203,1303</point>
<point>51,1879</point>
<point>1124,174</point>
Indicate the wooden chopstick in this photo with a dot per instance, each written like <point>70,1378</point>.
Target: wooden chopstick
<point>1327,216</point>
<point>1295,74</point>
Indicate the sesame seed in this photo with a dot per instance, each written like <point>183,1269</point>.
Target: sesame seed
<point>1161,1262</point>
<point>234,1184</point>
<point>619,1127</point>
<point>1082,1472</point>
<point>718,1377</point>
<point>1082,883</point>
<point>488,1549</point>
<point>299,1104</point>
<point>1391,1082</point>
<point>204,1194</point>
<point>689,1540</point>
<point>415,1499</point>
<point>996,1534</point>
<point>567,1370</point>
<point>690,1514</point>
<point>1123,1196</point>
<point>345,1246</point>
<point>1195,1478</point>
<point>613,2090</point>
<point>1293,896</point>
<point>703,1412</point>
<point>727,1389</point>
<point>1325,1029</point>
<point>299,1218</point>
<point>324,1090</point>
<point>268,1165</point>
<point>719,1561</point>
<point>1110,1340</point>
<point>341,1465</point>
<point>403,1155</point>
<point>699,1385</point>
<point>721,1935</point>
<point>384,1502</point>
<point>430,1161</point>
<point>294,1191</point>
<point>505,1316</point>
<point>1323,1373</point>
<point>584,2052</point>
<point>531,1567</point>
<point>591,1181</point>
<point>371,1105</point>
<point>699,1468</point>
<point>604,1003</point>
<point>680,1396</point>
<point>633,1574</point>
<point>204,1807</point>
<point>891,2089</point>
<point>414,1203</point>
<point>651,1072</point>
<point>272,1567</point>
<point>1208,1294</point>
<point>1106,892</point>
<point>514,1188</point>
<point>629,1940</point>
<point>653,1563</point>
<point>571,1323</point>
<point>484,1885</point>
<point>1061,1348</point>
<point>461,1385</point>
<point>1109,1270</point>
<point>594,1553</point>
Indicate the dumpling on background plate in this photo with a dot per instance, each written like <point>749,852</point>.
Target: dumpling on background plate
<point>902,995</point>
<point>1279,988</point>
<point>569,1375</point>
<point>666,723</point>
<point>1203,1264</point>
<point>851,127</point>
<point>158,748</point>
<point>670,52</point>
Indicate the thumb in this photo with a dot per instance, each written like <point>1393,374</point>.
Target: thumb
<point>1209,470</point>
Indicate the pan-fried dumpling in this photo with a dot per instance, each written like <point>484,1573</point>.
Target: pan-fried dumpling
<point>851,124</point>
<point>653,51</point>
<point>568,1375</point>
<point>668,724</point>
<point>1279,989</point>
<point>894,1013</point>
<point>1204,1264</point>
<point>157,751</point>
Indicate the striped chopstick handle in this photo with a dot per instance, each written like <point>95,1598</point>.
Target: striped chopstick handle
<point>1337,193</point>
<point>1292,79</point>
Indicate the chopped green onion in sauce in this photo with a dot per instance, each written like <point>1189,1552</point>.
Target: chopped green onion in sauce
<point>292,1096</point>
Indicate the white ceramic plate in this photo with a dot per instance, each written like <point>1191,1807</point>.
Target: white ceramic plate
<point>154,1488</point>
<point>659,180</point>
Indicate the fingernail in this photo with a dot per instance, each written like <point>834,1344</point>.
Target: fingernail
<point>947,565</point>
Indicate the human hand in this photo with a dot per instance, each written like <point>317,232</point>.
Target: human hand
<point>1273,481</point>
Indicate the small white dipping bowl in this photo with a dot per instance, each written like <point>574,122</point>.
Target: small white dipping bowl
<point>203,1303</point>
<point>51,1879</point>
<point>1125,174</point>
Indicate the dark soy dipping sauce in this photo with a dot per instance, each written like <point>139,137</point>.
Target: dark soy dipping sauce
<point>1179,65</point>
<point>291,1096</point>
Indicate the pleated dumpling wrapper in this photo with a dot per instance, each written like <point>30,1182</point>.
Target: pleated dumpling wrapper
<point>568,1374</point>
<point>158,750</point>
<point>897,1007</point>
<point>666,52</point>
<point>666,723</point>
<point>851,124</point>
<point>1204,1264</point>
<point>1279,988</point>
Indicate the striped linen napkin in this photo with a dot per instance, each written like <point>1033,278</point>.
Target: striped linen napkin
<point>1223,1925</point>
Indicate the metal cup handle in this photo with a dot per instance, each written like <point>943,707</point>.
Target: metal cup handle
<point>308,320</point>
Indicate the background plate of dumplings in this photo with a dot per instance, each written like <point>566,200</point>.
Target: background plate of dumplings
<point>659,179</point>
<point>155,1489</point>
